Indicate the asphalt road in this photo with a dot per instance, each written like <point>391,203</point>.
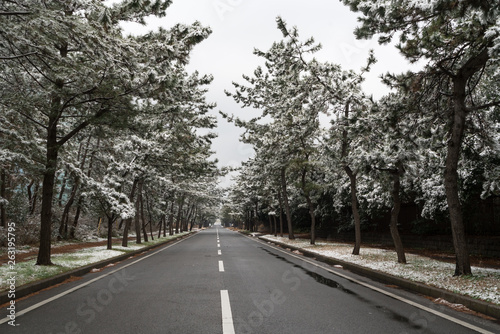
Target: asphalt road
<point>219,281</point>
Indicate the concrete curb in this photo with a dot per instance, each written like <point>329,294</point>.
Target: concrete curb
<point>30,288</point>
<point>480,306</point>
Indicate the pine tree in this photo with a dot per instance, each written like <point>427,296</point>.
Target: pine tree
<point>66,67</point>
<point>459,39</point>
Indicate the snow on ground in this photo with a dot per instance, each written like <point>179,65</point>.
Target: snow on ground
<point>85,256</point>
<point>484,284</point>
<point>26,272</point>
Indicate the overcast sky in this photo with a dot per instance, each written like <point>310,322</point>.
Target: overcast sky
<point>239,26</point>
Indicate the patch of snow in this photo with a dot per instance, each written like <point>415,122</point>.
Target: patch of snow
<point>129,248</point>
<point>458,307</point>
<point>484,285</point>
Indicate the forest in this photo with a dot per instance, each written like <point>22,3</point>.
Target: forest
<point>430,147</point>
<point>98,126</point>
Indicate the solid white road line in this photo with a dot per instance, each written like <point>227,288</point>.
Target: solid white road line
<point>221,266</point>
<point>384,292</point>
<point>46,301</point>
<point>227,316</point>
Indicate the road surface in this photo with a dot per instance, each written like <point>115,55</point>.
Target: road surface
<point>219,281</point>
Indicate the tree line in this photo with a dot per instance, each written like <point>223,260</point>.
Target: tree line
<point>433,140</point>
<point>97,122</point>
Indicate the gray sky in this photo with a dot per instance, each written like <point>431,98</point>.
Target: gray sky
<point>239,26</point>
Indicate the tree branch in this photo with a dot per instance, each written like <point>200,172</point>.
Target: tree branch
<point>81,126</point>
<point>33,120</point>
<point>14,13</point>
<point>484,106</point>
<point>18,56</point>
<point>474,64</point>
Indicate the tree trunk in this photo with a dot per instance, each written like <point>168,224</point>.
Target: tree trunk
<point>281,213</point>
<point>150,222</point>
<point>137,222</point>
<point>72,230</point>
<point>310,205</point>
<point>195,217</point>
<point>313,220</point>
<point>164,226</point>
<point>49,176</point>
<point>30,193</point>
<point>355,211</point>
<point>256,225</point>
<point>33,195</point>
<point>275,226</point>
<point>193,220</point>
<point>171,217</point>
<point>111,220</point>
<point>89,172</point>
<point>150,218</point>
<point>143,221</point>
<point>128,221</point>
<point>179,215</point>
<point>462,266</point>
<point>270,224</point>
<point>63,226</point>
<point>3,195</point>
<point>250,220</point>
<point>63,188</point>
<point>291,236</point>
<point>352,178</point>
<point>187,217</point>
<point>398,244</point>
<point>473,65</point>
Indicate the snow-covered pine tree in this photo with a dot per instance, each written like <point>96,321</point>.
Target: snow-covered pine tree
<point>457,39</point>
<point>289,126</point>
<point>72,67</point>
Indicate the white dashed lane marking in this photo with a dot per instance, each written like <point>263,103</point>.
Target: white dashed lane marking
<point>227,316</point>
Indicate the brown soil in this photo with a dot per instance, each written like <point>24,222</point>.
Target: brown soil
<point>20,257</point>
